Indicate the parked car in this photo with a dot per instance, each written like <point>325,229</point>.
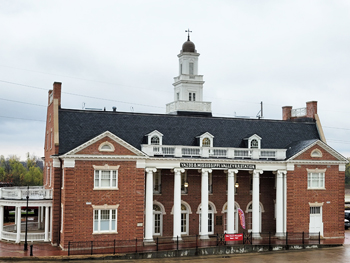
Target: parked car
<point>347,219</point>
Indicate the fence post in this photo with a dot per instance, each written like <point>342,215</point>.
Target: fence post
<point>270,247</point>
<point>157,244</point>
<point>68,248</point>
<point>287,241</point>
<point>319,238</point>
<point>177,243</point>
<point>92,246</point>
<point>303,240</point>
<point>114,248</point>
<point>136,246</point>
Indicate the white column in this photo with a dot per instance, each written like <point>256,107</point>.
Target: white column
<point>39,215</point>
<point>279,203</point>
<point>18,224</point>
<point>177,203</point>
<point>1,220</point>
<point>256,204</point>
<point>204,202</point>
<point>285,202</point>
<point>230,216</point>
<point>46,224</point>
<point>51,219</point>
<point>149,205</point>
<point>42,215</point>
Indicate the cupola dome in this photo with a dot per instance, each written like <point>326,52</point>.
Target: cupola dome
<point>188,46</point>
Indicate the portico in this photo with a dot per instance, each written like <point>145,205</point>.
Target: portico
<point>39,198</point>
<point>201,179</point>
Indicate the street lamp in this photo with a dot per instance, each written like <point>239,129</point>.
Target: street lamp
<point>25,239</point>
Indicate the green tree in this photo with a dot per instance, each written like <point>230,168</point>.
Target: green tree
<point>347,174</point>
<point>28,173</point>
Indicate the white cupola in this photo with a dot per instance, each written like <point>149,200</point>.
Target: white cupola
<point>188,86</point>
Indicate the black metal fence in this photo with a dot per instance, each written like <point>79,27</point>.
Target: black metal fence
<point>187,242</point>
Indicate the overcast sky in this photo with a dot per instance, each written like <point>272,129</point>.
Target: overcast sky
<point>124,54</point>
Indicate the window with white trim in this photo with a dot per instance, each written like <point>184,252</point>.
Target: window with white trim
<point>157,220</point>
<point>206,142</point>
<point>184,220</point>
<point>106,177</point>
<point>210,220</point>
<point>155,140</point>
<point>316,180</point>
<point>184,188</point>
<point>254,144</point>
<point>191,68</point>
<point>157,183</point>
<point>105,220</point>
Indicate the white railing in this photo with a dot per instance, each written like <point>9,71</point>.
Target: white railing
<point>188,77</point>
<point>218,153</point>
<point>213,152</point>
<point>182,105</point>
<point>9,232</point>
<point>35,193</point>
<point>10,236</point>
<point>242,153</point>
<point>191,152</point>
<point>298,112</point>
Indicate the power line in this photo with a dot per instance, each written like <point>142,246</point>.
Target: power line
<point>85,96</point>
<point>336,128</point>
<point>91,80</point>
<point>1,116</point>
<point>23,102</point>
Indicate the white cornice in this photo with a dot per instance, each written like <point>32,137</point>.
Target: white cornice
<point>325,147</point>
<point>103,157</point>
<point>312,162</point>
<point>101,136</point>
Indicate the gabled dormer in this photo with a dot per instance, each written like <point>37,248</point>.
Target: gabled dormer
<point>155,138</point>
<point>206,140</point>
<point>254,141</point>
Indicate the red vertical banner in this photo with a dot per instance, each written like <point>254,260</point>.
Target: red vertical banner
<point>241,217</point>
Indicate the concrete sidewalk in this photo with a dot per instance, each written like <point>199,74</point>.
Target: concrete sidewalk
<point>45,251</point>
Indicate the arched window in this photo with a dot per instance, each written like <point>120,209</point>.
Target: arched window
<point>157,220</point>
<point>210,219</point>
<point>224,211</point>
<point>155,140</point>
<point>249,213</point>
<point>206,142</point>
<point>184,220</point>
<point>254,144</point>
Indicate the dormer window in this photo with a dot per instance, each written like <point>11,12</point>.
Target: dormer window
<point>155,140</point>
<point>206,142</point>
<point>254,144</point>
<point>254,141</point>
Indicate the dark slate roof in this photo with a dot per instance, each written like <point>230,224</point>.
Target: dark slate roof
<point>78,126</point>
<point>295,147</point>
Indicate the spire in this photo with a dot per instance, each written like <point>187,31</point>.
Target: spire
<point>188,36</point>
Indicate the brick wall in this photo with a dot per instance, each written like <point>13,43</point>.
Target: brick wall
<point>78,190</point>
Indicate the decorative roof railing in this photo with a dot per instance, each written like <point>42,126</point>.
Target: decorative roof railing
<point>301,112</point>
<point>19,193</point>
<point>212,152</point>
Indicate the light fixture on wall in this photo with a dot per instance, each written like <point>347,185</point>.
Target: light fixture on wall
<point>186,184</point>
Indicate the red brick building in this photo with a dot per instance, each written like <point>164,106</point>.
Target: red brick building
<point>122,175</point>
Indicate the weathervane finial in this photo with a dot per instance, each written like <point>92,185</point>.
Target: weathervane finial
<point>188,36</point>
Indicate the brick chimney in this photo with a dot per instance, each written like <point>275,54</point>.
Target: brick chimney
<point>286,113</point>
<point>57,92</point>
<point>311,109</point>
